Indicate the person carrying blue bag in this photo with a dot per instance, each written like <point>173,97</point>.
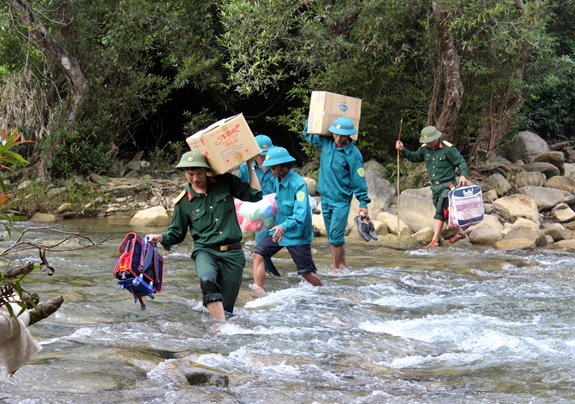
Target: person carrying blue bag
<point>341,176</point>
<point>267,182</point>
<point>441,158</point>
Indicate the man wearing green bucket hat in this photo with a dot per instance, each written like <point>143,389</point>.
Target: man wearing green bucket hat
<point>206,209</point>
<point>293,228</point>
<point>441,158</point>
<point>341,176</point>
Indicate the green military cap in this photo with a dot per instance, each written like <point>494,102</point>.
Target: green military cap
<point>193,159</point>
<point>429,134</point>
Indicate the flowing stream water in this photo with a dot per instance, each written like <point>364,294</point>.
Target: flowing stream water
<point>444,325</point>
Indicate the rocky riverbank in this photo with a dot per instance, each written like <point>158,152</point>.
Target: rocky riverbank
<point>528,195</point>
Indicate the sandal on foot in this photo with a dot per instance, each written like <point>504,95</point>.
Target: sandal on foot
<point>434,243</point>
<point>458,236</point>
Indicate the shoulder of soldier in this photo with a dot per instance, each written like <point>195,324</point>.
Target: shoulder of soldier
<point>445,142</point>
<point>180,196</point>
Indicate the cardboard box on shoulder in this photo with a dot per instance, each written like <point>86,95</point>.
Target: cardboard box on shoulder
<point>325,107</point>
<point>226,143</point>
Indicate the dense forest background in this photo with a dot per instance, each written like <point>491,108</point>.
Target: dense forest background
<point>96,82</point>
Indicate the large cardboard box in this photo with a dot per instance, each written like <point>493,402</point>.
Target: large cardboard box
<point>325,107</point>
<point>226,143</point>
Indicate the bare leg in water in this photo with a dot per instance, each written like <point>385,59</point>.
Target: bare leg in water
<point>338,257</point>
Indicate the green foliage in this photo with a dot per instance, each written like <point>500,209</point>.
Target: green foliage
<point>237,54</point>
<point>166,157</point>
<point>80,152</point>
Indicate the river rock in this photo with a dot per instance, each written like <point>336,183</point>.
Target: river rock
<point>514,244</point>
<point>318,226</point>
<point>416,208</point>
<point>43,217</point>
<point>187,372</point>
<point>311,185</point>
<point>399,242</point>
<point>487,232</point>
<point>424,236</point>
<point>515,206</point>
<point>552,157</point>
<point>555,231</point>
<point>151,217</point>
<point>561,182</point>
<point>490,196</point>
<point>563,213</point>
<point>566,244</point>
<point>499,184</point>
<point>525,146</point>
<point>529,178</point>
<point>379,190</point>
<point>391,222</point>
<point>523,229</point>
<point>546,198</point>
<point>547,169</point>
<point>569,169</point>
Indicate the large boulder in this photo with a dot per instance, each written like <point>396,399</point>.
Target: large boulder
<point>514,244</point>
<point>561,182</point>
<point>547,198</point>
<point>379,190</point>
<point>552,157</point>
<point>499,184</point>
<point>151,217</point>
<point>416,209</point>
<point>547,169</point>
<point>529,179</point>
<point>563,213</point>
<point>515,206</point>
<point>523,229</point>
<point>525,146</point>
<point>392,222</point>
<point>311,185</point>
<point>487,232</point>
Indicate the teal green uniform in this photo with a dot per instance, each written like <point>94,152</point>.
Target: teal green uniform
<point>440,164</point>
<point>294,211</point>
<point>341,175</point>
<point>212,222</point>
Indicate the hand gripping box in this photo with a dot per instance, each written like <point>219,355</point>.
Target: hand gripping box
<point>325,107</point>
<point>226,143</point>
<point>465,206</point>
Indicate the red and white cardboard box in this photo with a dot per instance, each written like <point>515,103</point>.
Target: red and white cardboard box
<point>226,143</point>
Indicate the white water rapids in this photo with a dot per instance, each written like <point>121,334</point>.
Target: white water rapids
<point>445,325</point>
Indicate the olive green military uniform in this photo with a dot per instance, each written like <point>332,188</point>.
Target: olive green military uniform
<point>212,222</point>
<point>440,164</point>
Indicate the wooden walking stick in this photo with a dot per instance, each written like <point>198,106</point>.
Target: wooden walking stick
<point>398,138</point>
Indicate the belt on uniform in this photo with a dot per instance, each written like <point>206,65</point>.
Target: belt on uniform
<point>225,247</point>
<point>439,182</point>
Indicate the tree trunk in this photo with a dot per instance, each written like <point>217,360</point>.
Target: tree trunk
<point>497,122</point>
<point>78,87</point>
<point>453,86</point>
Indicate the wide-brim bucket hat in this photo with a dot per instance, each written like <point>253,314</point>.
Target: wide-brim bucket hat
<point>343,126</point>
<point>264,142</point>
<point>277,155</point>
<point>429,134</point>
<point>193,159</point>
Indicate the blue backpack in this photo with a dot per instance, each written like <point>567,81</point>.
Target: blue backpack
<point>140,268</point>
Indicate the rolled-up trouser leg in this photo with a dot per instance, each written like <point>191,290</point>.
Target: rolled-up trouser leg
<point>335,215</point>
<point>220,275</point>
